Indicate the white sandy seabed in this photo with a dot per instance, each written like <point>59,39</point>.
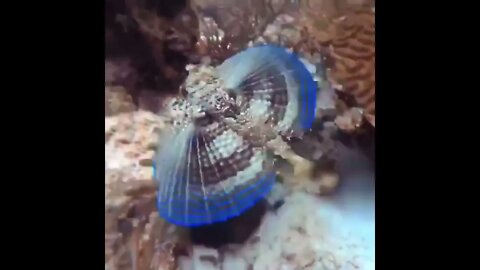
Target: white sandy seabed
<point>308,232</point>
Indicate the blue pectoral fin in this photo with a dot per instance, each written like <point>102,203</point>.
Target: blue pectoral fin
<point>307,92</point>
<point>277,60</point>
<point>218,208</point>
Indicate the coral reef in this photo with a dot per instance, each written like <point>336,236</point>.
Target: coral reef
<point>299,173</point>
<point>343,33</point>
<point>149,42</point>
<point>117,100</point>
<point>170,29</point>
<point>159,38</point>
<point>353,49</point>
<point>341,36</point>
<point>220,33</point>
<point>135,237</point>
<point>130,142</point>
<point>321,31</point>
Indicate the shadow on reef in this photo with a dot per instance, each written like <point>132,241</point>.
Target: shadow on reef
<point>233,231</point>
<point>148,42</point>
<point>363,139</point>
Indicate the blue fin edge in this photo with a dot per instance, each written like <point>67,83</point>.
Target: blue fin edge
<point>264,186</point>
<point>307,86</point>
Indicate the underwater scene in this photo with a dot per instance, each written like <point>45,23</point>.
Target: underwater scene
<point>239,134</point>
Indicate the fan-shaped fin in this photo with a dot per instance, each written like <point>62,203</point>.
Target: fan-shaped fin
<point>217,207</point>
<point>276,82</point>
<point>208,173</point>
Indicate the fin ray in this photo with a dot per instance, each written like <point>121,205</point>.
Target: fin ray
<point>272,61</point>
<point>194,191</point>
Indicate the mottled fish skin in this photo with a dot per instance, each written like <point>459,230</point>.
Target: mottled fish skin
<point>207,169</point>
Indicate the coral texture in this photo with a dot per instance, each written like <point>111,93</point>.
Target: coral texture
<point>353,49</point>
<point>343,34</point>
<point>117,100</point>
<point>135,237</point>
<point>220,33</point>
<point>170,30</point>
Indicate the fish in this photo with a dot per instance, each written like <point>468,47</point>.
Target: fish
<point>207,169</point>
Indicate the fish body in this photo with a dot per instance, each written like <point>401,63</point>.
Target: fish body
<point>212,164</point>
